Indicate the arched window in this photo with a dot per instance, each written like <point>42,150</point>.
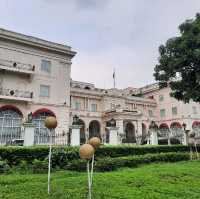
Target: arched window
<point>163,130</point>
<point>94,129</point>
<point>42,134</point>
<point>196,128</point>
<point>10,124</point>
<point>176,129</point>
<point>130,133</point>
<point>87,88</point>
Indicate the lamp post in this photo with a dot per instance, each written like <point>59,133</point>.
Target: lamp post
<point>51,124</point>
<point>86,152</point>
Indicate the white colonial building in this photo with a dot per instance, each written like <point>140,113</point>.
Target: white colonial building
<point>35,78</point>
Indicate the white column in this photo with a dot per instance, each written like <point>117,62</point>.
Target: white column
<point>139,127</point>
<point>154,138</point>
<point>75,135</point>
<point>119,124</point>
<point>113,138</point>
<point>29,129</point>
<point>185,137</point>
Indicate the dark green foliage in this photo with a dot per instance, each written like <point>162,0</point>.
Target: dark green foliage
<point>179,62</point>
<point>63,155</point>
<point>4,167</point>
<point>110,164</point>
<point>35,159</point>
<point>125,150</point>
<point>39,166</point>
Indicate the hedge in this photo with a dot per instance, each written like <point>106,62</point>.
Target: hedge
<point>110,164</point>
<point>61,156</point>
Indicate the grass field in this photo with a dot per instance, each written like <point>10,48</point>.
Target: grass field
<point>156,181</point>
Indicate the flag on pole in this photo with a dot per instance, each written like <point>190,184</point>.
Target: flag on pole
<point>114,76</point>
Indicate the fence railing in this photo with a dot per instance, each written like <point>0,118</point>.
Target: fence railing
<point>16,93</point>
<point>17,65</point>
<point>17,138</point>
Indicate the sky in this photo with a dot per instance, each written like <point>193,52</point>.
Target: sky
<point>106,34</point>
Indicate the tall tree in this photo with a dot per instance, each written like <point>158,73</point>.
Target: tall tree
<point>179,62</point>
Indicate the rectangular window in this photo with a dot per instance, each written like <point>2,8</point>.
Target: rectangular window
<point>194,110</point>
<point>174,110</point>
<point>94,107</point>
<point>162,113</point>
<point>77,105</point>
<point>161,98</point>
<point>44,91</point>
<point>46,66</point>
<point>150,113</point>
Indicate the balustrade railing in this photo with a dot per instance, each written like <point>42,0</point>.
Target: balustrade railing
<point>16,93</point>
<point>17,65</point>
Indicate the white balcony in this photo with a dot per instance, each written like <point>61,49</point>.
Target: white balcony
<point>17,67</point>
<point>16,95</point>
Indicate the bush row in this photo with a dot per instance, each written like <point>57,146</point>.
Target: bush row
<point>61,156</point>
<point>110,164</point>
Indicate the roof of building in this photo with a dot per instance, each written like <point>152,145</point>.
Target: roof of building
<point>35,42</point>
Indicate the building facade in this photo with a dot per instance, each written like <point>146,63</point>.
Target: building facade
<point>96,107</point>
<point>35,77</point>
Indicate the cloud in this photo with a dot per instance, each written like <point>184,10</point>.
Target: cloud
<point>124,34</point>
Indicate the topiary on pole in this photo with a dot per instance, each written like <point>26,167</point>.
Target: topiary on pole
<point>179,62</point>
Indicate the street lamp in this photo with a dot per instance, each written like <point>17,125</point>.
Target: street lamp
<point>153,126</point>
<point>75,120</point>
<point>112,123</point>
<point>30,117</point>
<point>184,125</point>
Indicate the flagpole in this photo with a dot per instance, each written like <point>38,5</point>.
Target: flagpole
<point>114,78</point>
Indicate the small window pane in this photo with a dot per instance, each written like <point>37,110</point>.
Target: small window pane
<point>44,91</point>
<point>162,113</point>
<point>93,107</point>
<point>174,110</point>
<point>150,113</point>
<point>46,66</point>
<point>77,105</point>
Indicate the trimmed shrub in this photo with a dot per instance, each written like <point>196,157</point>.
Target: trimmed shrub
<point>110,164</point>
<point>39,166</point>
<point>62,157</point>
<point>4,167</point>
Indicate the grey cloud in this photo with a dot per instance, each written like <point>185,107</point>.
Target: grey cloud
<point>106,33</point>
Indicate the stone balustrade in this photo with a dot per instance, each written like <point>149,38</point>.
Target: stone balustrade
<point>16,65</point>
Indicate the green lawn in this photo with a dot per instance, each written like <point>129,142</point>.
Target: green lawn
<point>155,181</point>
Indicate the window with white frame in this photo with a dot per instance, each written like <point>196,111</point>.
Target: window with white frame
<point>162,113</point>
<point>174,110</point>
<point>194,110</point>
<point>150,113</point>
<point>94,107</point>
<point>77,105</point>
<point>44,91</point>
<point>46,66</point>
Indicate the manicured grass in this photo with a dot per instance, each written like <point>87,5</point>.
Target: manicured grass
<point>156,181</point>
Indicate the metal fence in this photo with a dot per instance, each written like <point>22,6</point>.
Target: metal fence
<point>17,138</point>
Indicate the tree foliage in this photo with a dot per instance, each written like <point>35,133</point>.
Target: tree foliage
<point>179,62</point>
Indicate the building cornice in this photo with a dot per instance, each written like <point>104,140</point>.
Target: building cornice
<point>36,42</point>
